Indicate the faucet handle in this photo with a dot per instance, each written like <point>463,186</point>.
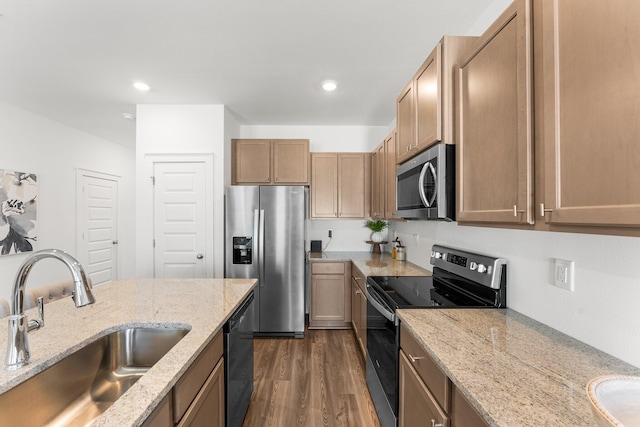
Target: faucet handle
<point>39,322</point>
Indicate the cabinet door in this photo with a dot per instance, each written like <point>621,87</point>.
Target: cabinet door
<point>363,320</point>
<point>591,109</point>
<point>390,210</point>
<point>324,185</point>
<point>405,122</point>
<point>428,96</point>
<point>327,298</point>
<point>355,308</point>
<point>291,161</point>
<point>354,174</point>
<point>251,161</point>
<point>207,410</point>
<point>417,407</point>
<point>378,182</point>
<point>462,413</point>
<point>162,416</point>
<point>495,155</point>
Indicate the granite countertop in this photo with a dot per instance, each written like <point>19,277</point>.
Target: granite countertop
<point>371,264</point>
<point>203,305</point>
<point>514,370</point>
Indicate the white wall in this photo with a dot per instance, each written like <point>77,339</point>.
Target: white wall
<point>53,151</point>
<point>179,130</point>
<point>348,235</point>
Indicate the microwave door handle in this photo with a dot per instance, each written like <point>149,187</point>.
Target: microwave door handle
<point>423,173</point>
<point>379,307</point>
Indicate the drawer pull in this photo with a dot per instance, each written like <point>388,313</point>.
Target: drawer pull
<point>414,359</point>
<point>433,424</point>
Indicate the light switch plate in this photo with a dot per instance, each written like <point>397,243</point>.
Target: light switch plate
<point>563,272</point>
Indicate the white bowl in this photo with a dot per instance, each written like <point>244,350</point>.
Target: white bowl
<point>615,400</point>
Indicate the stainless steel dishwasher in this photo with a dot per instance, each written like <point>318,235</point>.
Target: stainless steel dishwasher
<point>238,362</point>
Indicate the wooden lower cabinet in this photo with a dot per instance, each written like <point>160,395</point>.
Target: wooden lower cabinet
<point>197,399</point>
<point>417,406</point>
<point>207,409</point>
<point>359,313</point>
<point>426,395</point>
<point>330,295</point>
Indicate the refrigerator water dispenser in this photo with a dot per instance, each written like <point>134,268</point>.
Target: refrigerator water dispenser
<point>242,250</point>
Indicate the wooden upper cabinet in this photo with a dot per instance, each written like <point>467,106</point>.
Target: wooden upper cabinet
<point>324,185</point>
<point>264,162</point>
<point>378,182</point>
<point>495,153</point>
<point>251,161</point>
<point>354,175</point>
<point>590,131</point>
<point>390,210</point>
<point>428,100</point>
<point>340,185</point>
<point>291,161</point>
<point>425,108</point>
<point>405,121</point>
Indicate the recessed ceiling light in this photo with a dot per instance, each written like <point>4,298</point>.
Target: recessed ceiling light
<point>329,85</point>
<point>142,86</point>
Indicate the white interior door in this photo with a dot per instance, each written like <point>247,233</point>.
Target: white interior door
<point>98,227</point>
<point>179,219</point>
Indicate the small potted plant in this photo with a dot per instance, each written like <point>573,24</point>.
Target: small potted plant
<point>376,226</point>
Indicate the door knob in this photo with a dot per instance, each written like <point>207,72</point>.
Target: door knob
<point>115,242</point>
<point>199,256</point>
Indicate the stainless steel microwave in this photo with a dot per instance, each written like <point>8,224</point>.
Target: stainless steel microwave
<point>425,185</point>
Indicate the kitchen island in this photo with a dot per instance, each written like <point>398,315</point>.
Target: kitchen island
<point>512,369</point>
<point>201,305</point>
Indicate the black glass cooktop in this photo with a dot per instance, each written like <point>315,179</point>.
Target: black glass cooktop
<point>443,290</point>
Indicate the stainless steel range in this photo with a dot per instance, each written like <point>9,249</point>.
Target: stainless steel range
<point>460,279</point>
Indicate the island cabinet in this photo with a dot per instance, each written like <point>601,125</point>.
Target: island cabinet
<point>427,396</point>
<point>340,185</point>
<point>330,295</point>
<point>495,129</point>
<point>588,112</point>
<point>197,399</point>
<point>425,108</point>
<point>270,162</point>
<point>359,308</point>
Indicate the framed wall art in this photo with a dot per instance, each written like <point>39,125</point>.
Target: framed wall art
<point>18,195</point>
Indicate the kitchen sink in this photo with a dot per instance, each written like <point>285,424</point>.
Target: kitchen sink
<point>80,387</point>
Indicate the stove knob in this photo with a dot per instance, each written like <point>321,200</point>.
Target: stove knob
<point>437,255</point>
<point>473,266</point>
<point>482,268</point>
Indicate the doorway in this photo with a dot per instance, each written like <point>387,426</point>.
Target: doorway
<point>180,211</point>
<point>97,225</point>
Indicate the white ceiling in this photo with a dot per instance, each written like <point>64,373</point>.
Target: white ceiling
<point>74,61</point>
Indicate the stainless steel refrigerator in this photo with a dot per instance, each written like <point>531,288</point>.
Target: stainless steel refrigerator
<point>265,239</point>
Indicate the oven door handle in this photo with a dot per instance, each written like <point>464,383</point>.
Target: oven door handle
<point>389,315</point>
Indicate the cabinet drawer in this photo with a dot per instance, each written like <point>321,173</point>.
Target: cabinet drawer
<point>433,377</point>
<point>191,382</point>
<point>327,268</point>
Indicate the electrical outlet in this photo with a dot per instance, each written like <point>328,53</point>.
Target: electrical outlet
<point>563,272</point>
<point>330,233</point>
<point>416,239</point>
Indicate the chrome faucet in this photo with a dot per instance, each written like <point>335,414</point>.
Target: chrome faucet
<point>19,325</point>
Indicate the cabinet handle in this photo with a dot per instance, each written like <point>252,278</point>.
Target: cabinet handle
<point>543,210</point>
<point>433,424</point>
<point>358,292</point>
<point>414,359</point>
<point>516,211</point>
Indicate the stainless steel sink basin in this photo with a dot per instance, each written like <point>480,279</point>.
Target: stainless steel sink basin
<point>77,389</point>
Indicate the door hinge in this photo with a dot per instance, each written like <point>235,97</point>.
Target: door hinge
<point>153,180</point>
<point>154,243</point>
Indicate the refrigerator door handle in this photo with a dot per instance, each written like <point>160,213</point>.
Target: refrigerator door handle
<point>256,241</point>
<point>261,262</point>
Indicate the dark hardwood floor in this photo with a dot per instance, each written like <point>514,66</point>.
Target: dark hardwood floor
<point>315,381</point>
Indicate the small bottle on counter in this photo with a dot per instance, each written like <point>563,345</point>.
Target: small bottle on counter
<point>393,250</point>
<point>400,253</point>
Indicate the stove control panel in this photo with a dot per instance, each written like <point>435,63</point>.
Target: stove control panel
<point>483,269</point>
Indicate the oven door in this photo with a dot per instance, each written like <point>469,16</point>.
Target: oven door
<point>383,345</point>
